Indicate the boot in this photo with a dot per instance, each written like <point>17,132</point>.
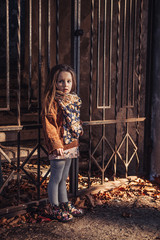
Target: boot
<point>61,215</point>
<point>69,207</point>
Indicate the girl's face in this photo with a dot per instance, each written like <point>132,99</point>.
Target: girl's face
<point>64,82</point>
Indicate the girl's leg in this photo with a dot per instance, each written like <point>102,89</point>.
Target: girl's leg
<point>62,191</point>
<point>57,169</point>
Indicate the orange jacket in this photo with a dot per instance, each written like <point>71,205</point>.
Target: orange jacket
<point>53,130</point>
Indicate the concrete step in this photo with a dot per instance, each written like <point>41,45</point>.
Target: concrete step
<point>25,135</point>
<point>9,153</point>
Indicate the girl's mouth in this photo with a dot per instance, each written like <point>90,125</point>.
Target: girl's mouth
<point>65,90</point>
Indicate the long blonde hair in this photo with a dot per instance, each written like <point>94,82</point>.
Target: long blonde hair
<point>50,88</point>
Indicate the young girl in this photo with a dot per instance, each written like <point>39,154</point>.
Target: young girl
<point>62,128</point>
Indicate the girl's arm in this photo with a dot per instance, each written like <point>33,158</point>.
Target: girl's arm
<point>51,135</point>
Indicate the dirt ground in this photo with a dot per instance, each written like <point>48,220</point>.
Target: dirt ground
<point>134,218</point>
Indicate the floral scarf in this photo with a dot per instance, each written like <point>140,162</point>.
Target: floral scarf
<point>70,104</point>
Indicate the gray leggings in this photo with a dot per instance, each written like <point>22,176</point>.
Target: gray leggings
<point>57,191</point>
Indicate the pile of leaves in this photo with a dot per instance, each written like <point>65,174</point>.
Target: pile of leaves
<point>132,190</point>
<point>36,215</point>
<point>129,191</point>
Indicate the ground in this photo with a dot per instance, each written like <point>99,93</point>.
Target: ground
<point>128,211</point>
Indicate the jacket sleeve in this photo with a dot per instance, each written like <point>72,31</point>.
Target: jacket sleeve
<point>51,135</point>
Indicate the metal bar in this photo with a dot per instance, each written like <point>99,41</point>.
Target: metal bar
<point>126,160</point>
<point>139,57</point>
<point>100,168</point>
<point>98,49</point>
<point>39,89</point>
<point>49,36</point>
<point>10,128</point>
<point>30,53</point>
<point>76,176</point>
<point>122,58</point>
<point>7,108</point>
<point>45,176</point>
<point>5,155</point>
<point>57,31</point>
<point>139,70</point>
<point>78,44</point>
<point>97,146</point>
<point>110,56</point>
<point>19,63</point>
<point>7,55</point>
<point>116,89</point>
<point>133,54</point>
<point>31,153</point>
<point>7,181</point>
<point>18,167</point>
<point>147,136</point>
<point>73,37</point>
<point>72,184</point>
<point>90,90</point>
<point>134,40</point>
<point>104,55</point>
<point>75,41</point>
<point>113,154</point>
<point>127,18</point>
<point>114,121</point>
<point>44,150</point>
<point>39,58</point>
<point>29,176</point>
<point>128,54</point>
<point>104,84</point>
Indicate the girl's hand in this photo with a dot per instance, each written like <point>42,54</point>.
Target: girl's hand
<point>59,151</point>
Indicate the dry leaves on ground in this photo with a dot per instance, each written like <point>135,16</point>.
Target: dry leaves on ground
<point>132,190</point>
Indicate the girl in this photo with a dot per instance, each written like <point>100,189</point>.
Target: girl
<point>62,128</point>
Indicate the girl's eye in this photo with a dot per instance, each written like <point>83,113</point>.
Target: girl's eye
<point>60,81</point>
<point>69,81</point>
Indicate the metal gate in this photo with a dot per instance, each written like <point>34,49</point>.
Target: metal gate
<point>106,43</point>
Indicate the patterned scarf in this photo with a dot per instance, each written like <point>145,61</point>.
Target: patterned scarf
<point>70,105</point>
